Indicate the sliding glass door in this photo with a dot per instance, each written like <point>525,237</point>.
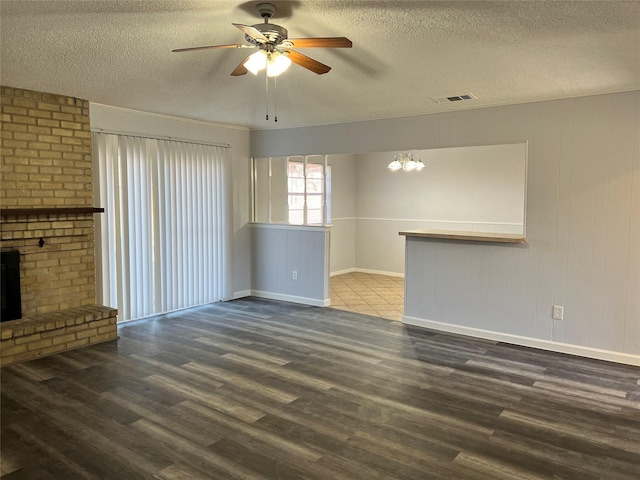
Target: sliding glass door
<point>164,242</point>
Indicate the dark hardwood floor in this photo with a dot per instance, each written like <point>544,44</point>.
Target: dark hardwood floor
<point>254,389</point>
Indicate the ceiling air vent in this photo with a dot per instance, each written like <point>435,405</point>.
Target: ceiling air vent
<point>455,98</point>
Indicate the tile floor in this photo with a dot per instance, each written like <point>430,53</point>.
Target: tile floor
<point>367,293</point>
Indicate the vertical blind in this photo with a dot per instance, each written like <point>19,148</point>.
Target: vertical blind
<point>164,242</point>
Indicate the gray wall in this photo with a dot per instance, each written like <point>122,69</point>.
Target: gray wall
<point>583,210</point>
<point>279,250</point>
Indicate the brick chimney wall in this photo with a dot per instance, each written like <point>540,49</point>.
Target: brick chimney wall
<point>46,163</point>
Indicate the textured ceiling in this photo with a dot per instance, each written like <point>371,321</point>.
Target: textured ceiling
<point>118,52</point>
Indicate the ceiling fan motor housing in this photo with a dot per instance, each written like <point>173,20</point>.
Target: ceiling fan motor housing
<point>275,33</point>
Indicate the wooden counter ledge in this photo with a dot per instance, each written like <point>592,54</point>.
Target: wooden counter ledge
<point>464,235</point>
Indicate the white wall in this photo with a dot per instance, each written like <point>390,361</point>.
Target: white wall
<point>482,185</point>
<point>271,190</point>
<point>125,121</point>
<point>478,188</point>
<point>279,190</point>
<point>583,211</point>
<point>343,204</point>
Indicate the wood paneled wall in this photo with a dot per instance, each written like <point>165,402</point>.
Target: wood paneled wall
<point>278,251</point>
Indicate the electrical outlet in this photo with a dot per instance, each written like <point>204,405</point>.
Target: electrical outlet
<point>294,275</point>
<point>558,312</point>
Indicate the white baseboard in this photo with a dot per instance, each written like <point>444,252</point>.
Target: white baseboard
<point>578,350</point>
<point>342,272</point>
<point>241,294</point>
<point>366,270</point>
<point>291,298</point>
<point>380,272</point>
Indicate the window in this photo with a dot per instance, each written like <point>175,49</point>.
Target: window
<point>306,193</point>
<point>292,190</point>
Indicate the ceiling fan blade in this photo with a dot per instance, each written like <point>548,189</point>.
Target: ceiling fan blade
<point>240,69</point>
<point>190,49</point>
<point>327,42</point>
<point>307,62</point>
<point>251,31</point>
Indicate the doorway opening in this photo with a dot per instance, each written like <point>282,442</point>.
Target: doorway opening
<point>368,293</point>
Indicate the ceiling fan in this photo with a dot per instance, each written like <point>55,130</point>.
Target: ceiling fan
<point>274,47</point>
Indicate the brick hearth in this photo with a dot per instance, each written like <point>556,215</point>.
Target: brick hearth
<point>46,164</point>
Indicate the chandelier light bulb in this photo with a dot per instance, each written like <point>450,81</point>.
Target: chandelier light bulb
<point>408,162</point>
<point>411,164</point>
<point>395,165</point>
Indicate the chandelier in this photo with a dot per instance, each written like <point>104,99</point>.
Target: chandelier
<point>409,162</point>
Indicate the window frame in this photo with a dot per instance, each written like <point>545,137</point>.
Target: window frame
<point>324,193</point>
<point>263,194</point>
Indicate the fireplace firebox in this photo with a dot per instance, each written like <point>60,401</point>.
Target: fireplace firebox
<point>10,286</point>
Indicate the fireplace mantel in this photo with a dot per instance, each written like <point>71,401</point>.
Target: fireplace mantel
<point>14,212</point>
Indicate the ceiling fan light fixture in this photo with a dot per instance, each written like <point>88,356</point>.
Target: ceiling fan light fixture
<point>277,64</point>
<point>256,62</point>
<point>273,43</point>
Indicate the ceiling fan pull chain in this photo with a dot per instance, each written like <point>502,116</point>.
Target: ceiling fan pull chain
<point>266,91</point>
<point>275,98</point>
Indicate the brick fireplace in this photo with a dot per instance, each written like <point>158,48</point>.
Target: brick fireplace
<point>47,216</point>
